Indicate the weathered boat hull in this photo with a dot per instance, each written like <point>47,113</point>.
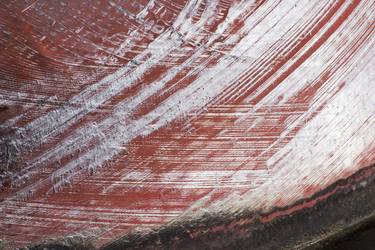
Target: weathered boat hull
<point>185,124</point>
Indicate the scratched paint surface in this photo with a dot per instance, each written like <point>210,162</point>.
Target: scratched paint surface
<point>125,115</point>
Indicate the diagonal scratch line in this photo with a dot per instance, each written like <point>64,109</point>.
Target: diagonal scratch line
<point>28,7</point>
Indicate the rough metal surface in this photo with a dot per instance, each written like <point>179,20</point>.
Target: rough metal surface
<point>120,117</point>
<point>349,202</point>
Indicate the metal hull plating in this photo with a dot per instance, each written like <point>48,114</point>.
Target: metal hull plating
<point>122,117</point>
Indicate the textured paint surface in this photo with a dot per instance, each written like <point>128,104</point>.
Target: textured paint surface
<point>126,115</point>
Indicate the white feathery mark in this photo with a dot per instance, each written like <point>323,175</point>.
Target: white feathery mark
<point>127,129</point>
<point>307,158</point>
<point>96,94</point>
<point>317,143</point>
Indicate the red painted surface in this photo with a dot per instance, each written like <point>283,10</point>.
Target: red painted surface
<point>120,116</point>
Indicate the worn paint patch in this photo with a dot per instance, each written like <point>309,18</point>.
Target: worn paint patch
<point>118,117</point>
